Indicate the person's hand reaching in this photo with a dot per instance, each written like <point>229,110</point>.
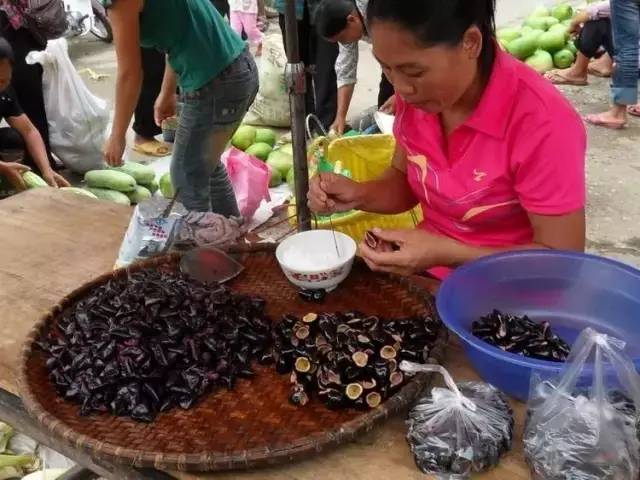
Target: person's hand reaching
<point>13,173</point>
<point>54,179</point>
<point>114,150</point>
<point>389,106</point>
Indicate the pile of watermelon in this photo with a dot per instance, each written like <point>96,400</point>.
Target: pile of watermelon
<point>543,41</point>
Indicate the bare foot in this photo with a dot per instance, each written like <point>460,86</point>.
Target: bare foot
<point>567,76</point>
<point>615,118</point>
<point>602,67</point>
<point>634,110</point>
<point>139,140</point>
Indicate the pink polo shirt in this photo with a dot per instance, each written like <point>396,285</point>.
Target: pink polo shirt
<point>522,150</point>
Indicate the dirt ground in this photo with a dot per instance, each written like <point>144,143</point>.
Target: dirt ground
<point>613,156</point>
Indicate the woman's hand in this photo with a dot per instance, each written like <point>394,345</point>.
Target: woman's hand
<point>389,106</point>
<point>114,150</point>
<point>578,21</point>
<point>13,173</point>
<point>330,193</point>
<point>54,179</point>
<point>413,251</point>
<point>164,108</point>
<point>339,125</point>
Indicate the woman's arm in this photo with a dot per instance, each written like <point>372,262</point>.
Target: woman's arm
<point>124,16</point>
<point>562,232</point>
<point>35,146</point>
<point>347,75</point>
<point>165,106</point>
<point>418,250</point>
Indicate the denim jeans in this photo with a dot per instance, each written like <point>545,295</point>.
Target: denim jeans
<point>208,118</point>
<point>625,19</point>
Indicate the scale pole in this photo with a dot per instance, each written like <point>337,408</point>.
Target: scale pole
<point>296,83</point>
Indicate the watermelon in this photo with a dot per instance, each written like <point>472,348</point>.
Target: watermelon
<point>552,41</point>
<point>537,23</point>
<point>281,162</point>
<point>244,137</point>
<point>509,34</point>
<point>540,61</point>
<point>541,11</point>
<point>523,47</point>
<point>551,21</point>
<point>562,12</point>
<point>266,135</point>
<point>563,58</point>
<point>259,150</point>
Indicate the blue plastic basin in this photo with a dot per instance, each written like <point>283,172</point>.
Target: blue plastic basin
<point>571,290</point>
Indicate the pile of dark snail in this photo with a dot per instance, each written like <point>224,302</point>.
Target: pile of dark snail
<point>349,359</point>
<point>152,341</point>
<point>522,336</point>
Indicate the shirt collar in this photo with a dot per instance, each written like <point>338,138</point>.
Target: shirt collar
<point>493,113</point>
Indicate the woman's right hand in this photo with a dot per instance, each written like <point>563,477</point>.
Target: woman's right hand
<point>330,193</point>
<point>164,108</point>
<point>114,150</point>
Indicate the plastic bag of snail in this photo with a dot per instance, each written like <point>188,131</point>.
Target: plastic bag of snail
<point>458,430</point>
<point>583,424</point>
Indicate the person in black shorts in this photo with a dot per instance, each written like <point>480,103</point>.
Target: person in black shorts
<point>21,135</point>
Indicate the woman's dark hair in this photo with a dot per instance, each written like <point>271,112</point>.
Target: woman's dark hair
<point>441,22</point>
<point>6,52</point>
<point>331,16</point>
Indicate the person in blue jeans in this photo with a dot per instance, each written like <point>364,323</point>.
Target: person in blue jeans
<point>625,20</point>
<point>218,81</point>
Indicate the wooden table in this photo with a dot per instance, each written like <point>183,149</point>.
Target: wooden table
<point>51,242</point>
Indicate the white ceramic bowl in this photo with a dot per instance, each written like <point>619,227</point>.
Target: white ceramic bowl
<point>309,259</point>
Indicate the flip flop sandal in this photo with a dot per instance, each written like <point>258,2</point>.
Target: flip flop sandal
<point>597,73</point>
<point>634,110</point>
<point>557,78</point>
<point>152,148</point>
<point>597,121</point>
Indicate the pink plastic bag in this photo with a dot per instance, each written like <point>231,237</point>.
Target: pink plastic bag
<point>250,179</point>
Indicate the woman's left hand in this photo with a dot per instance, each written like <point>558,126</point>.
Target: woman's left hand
<point>414,251</point>
<point>54,179</point>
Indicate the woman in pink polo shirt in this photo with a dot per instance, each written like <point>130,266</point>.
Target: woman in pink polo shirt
<point>490,150</point>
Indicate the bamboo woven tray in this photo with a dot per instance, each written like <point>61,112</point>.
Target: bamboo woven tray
<point>251,426</point>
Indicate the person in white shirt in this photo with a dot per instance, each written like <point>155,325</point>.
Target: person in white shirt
<point>343,22</point>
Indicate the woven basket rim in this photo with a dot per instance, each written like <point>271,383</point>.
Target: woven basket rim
<point>212,461</point>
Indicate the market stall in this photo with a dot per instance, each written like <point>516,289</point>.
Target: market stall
<point>36,277</point>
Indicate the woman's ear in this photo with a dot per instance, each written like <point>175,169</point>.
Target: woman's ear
<point>472,42</point>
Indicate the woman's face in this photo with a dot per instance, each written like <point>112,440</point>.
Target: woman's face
<point>432,79</point>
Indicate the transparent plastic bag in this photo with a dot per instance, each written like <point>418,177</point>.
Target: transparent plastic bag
<point>459,430</point>
<point>150,233</point>
<point>583,425</point>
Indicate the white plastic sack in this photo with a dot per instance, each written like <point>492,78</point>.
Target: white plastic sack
<point>78,120</point>
<point>271,106</point>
